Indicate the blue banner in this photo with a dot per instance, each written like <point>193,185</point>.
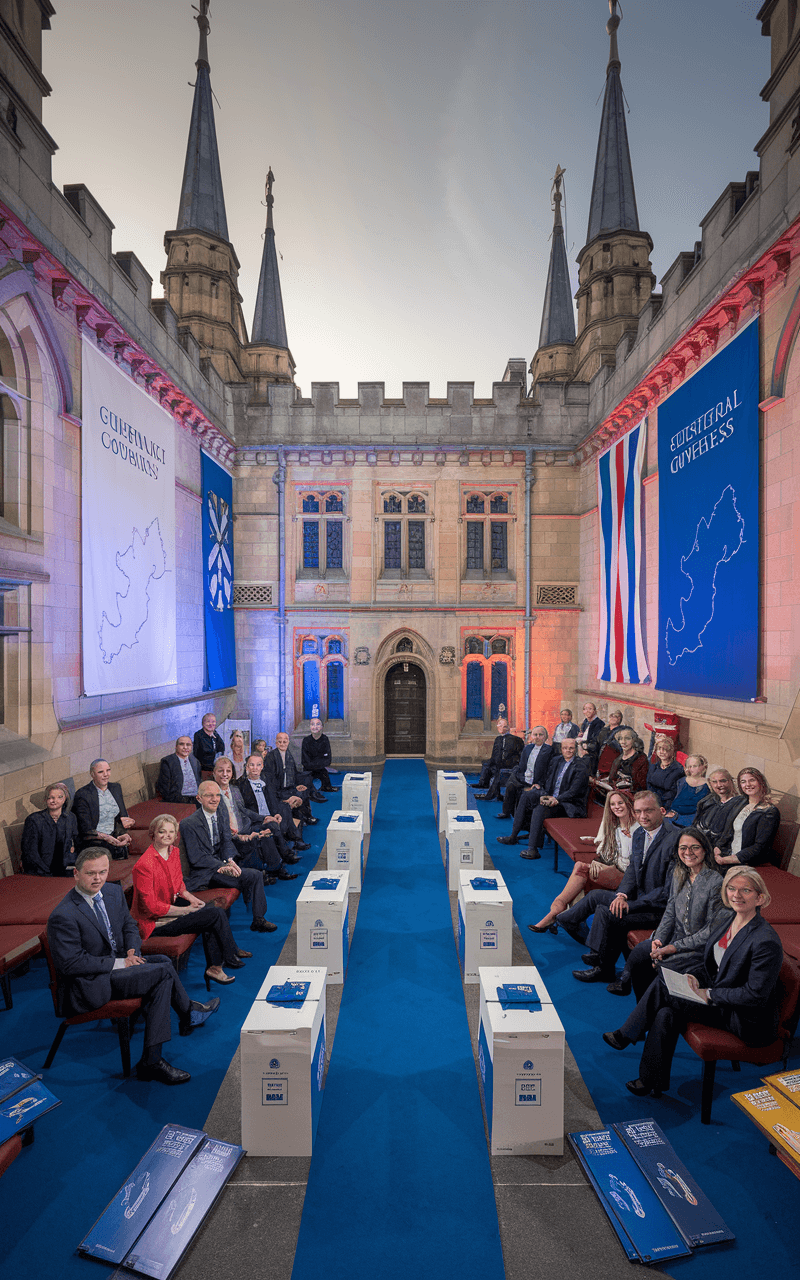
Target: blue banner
<point>708,537</point>
<point>218,575</point>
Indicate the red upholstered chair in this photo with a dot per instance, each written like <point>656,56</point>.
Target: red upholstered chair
<point>122,1013</point>
<point>713,1045</point>
<point>789,935</point>
<point>607,757</point>
<point>175,949</point>
<point>220,897</point>
<point>10,1149</point>
<point>144,812</point>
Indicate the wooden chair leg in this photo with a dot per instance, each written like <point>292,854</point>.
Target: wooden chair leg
<point>54,1046</point>
<point>123,1026</point>
<point>707,1095</point>
<point>5,985</point>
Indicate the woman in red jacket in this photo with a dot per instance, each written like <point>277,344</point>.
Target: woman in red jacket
<point>164,908</point>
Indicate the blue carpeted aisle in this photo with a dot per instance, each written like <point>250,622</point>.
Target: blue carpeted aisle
<point>400,1183</point>
<point>754,1192</point>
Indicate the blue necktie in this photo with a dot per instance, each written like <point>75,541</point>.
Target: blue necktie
<point>560,779</point>
<point>214,832</point>
<point>100,909</point>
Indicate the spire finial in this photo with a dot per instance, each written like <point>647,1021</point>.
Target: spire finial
<point>611,28</point>
<point>205,26</point>
<point>555,195</point>
<point>270,198</point>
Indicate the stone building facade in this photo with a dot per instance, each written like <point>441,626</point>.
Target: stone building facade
<point>442,552</point>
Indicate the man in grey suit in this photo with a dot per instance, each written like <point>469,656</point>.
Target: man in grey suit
<point>96,951</point>
<point>211,856</point>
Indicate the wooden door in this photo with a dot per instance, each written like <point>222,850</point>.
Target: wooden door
<point>404,710</point>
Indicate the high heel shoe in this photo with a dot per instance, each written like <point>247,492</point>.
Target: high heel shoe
<point>641,1090</point>
<point>224,981</point>
<point>544,928</point>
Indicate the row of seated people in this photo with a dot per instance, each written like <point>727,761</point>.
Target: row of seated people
<point>207,746</point>
<point>508,748</point>
<point>276,793</point>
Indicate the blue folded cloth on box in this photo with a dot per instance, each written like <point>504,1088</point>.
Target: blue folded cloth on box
<point>347,817</point>
<point>518,995</point>
<point>483,882</point>
<point>464,817</point>
<point>325,884</point>
<point>289,993</point>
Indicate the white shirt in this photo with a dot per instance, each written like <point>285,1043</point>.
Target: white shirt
<point>531,764</point>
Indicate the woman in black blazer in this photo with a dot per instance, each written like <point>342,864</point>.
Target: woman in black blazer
<point>664,773</point>
<point>49,836</point>
<point>737,986</point>
<point>747,837</point>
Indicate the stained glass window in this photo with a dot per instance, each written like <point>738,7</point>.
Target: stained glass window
<point>391,544</point>
<point>474,645</point>
<point>310,502</point>
<point>416,504</point>
<point>416,544</point>
<point>392,503</point>
<point>499,645</point>
<point>475,504</point>
<point>404,646</point>
<point>310,544</point>
<point>499,687</point>
<point>334,646</point>
<point>333,502</point>
<point>474,544</point>
<point>499,544</point>
<point>499,503</point>
<point>474,691</point>
<point>309,646</point>
<point>333,540</point>
<point>310,690</point>
<point>335,691</point>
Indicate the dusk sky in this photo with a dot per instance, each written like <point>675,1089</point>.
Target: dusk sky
<point>413,146</point>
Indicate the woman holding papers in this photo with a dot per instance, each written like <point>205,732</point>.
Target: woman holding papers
<point>612,856</point>
<point>736,989</point>
<point>679,941</point>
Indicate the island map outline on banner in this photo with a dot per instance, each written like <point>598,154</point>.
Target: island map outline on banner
<point>143,561</point>
<point>716,541</point>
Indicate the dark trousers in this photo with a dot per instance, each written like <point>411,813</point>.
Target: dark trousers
<point>158,987</point>
<point>488,770</point>
<point>322,777</point>
<point>641,970</point>
<point>527,803</point>
<point>262,853</point>
<point>304,812</point>
<point>609,933</point>
<point>513,792</point>
<point>662,1017</point>
<point>212,925</point>
<point>250,885</point>
<point>539,816</point>
<point>586,907</point>
<point>499,780</point>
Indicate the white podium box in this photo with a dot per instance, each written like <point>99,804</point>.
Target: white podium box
<point>283,1062</point>
<point>464,845</point>
<point>357,796</point>
<point>451,793</point>
<point>521,1059</point>
<point>485,923</point>
<point>344,844</point>
<point>323,919</point>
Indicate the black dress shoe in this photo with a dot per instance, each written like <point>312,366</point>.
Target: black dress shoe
<point>292,858</point>
<point>506,839</point>
<point>311,822</point>
<point>161,1071</point>
<point>196,1015</point>
<point>531,854</point>
<point>316,795</point>
<point>590,975</point>
<point>268,879</point>
<point>233,964</point>
<point>479,795</point>
<point>619,988</point>
<point>260,925</point>
<point>641,1090</point>
<point>543,928</point>
<point>243,955</point>
<point>591,958</point>
<point>330,790</point>
<point>502,817</point>
<point>300,844</point>
<point>616,1039</point>
<point>283,874</point>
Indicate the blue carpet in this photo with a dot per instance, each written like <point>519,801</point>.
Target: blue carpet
<point>753,1191</point>
<point>400,1182</point>
<point>84,1149</point>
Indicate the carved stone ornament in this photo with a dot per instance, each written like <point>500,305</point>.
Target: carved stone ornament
<point>362,656</point>
<point>320,590</point>
<point>447,656</point>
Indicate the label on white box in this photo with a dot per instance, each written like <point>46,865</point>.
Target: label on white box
<point>488,939</point>
<point>275,1092</point>
<point>529,1093</point>
<point>319,939</point>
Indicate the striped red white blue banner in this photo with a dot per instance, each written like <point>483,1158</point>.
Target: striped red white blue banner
<point>622,655</point>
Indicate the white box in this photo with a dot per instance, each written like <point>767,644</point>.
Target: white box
<point>521,1059</point>
<point>357,796</point>
<point>283,1062</point>
<point>451,793</point>
<point>464,844</point>
<point>485,922</point>
<point>344,845</point>
<point>323,920</point>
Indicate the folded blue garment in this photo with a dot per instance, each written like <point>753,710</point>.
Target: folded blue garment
<point>482,882</point>
<point>289,993</point>
<point>325,884</point>
<point>347,817</point>
<point>464,817</point>
<point>518,995</point>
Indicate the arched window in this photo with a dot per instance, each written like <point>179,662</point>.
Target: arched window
<point>335,682</point>
<point>333,502</point>
<point>499,502</point>
<point>404,646</point>
<point>320,676</point>
<point>487,675</point>
<point>486,540</point>
<point>474,690</point>
<point>310,502</point>
<point>416,504</point>
<point>309,646</point>
<point>474,644</point>
<point>499,645</point>
<point>405,540</point>
<point>322,550</point>
<point>392,503</point>
<point>499,688</point>
<point>334,646</point>
<point>475,504</point>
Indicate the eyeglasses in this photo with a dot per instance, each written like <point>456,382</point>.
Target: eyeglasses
<point>690,848</point>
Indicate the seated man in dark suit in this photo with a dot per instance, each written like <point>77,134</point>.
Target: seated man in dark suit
<point>639,901</point>
<point>565,794</point>
<point>96,951</point>
<point>207,744</point>
<point>262,803</point>
<point>280,768</point>
<point>179,775</point>
<point>316,756</point>
<point>257,844</point>
<point>506,751</point>
<point>211,857</point>
<point>100,812</point>
<point>530,772</point>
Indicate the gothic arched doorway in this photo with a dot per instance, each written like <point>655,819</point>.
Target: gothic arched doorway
<point>404,702</point>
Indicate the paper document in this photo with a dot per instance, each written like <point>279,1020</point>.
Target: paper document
<point>678,985</point>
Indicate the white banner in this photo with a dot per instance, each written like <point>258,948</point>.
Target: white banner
<point>128,533</point>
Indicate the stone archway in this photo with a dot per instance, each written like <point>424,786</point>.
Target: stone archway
<point>405,707</point>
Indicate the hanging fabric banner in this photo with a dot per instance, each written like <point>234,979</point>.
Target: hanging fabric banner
<point>622,655</point>
<point>708,527</point>
<point>127,533</point>
<point>218,575</point>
